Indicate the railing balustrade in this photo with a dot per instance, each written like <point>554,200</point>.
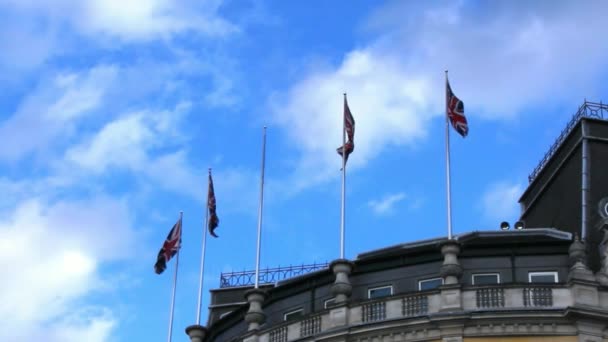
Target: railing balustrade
<point>310,326</point>
<point>415,305</point>
<point>375,311</point>
<point>490,297</point>
<point>278,335</point>
<point>538,296</point>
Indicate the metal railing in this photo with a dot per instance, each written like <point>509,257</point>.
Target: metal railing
<point>588,110</point>
<point>268,275</point>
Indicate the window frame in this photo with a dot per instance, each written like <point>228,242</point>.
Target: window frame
<point>224,314</point>
<point>370,289</point>
<point>327,301</point>
<point>291,313</point>
<point>485,274</point>
<point>428,279</point>
<point>555,275</point>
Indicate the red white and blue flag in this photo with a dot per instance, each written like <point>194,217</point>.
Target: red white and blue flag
<point>455,112</point>
<point>170,247</point>
<point>214,221</point>
<point>349,127</point>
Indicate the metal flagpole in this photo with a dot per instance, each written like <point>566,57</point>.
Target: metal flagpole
<point>257,256</point>
<point>342,207</point>
<point>447,157</point>
<point>200,286</point>
<point>174,283</point>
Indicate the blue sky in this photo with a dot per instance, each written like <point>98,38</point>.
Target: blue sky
<point>112,111</point>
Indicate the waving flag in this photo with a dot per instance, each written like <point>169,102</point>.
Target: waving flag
<point>214,221</point>
<point>170,247</point>
<point>349,127</point>
<point>455,112</point>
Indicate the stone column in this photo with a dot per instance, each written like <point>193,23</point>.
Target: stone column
<point>255,315</point>
<point>341,288</point>
<point>451,269</point>
<point>602,275</point>
<point>580,278</point>
<point>197,333</point>
<point>451,299</point>
<point>577,254</point>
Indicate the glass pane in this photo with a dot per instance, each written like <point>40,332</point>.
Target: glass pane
<point>542,278</point>
<point>294,315</point>
<point>485,279</point>
<point>430,284</point>
<point>380,292</point>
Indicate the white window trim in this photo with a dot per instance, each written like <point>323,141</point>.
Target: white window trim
<point>553,273</point>
<point>485,274</point>
<point>291,313</point>
<point>327,301</point>
<point>225,314</point>
<point>369,290</point>
<point>424,280</point>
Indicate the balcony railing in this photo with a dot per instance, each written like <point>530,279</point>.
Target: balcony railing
<point>415,305</point>
<point>491,297</point>
<point>375,311</point>
<point>310,326</point>
<point>268,275</point>
<point>538,296</point>
<point>500,297</point>
<point>278,335</point>
<point>588,110</point>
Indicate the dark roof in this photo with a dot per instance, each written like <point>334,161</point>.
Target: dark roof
<point>486,237</point>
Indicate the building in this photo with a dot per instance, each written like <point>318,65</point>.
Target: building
<point>547,280</point>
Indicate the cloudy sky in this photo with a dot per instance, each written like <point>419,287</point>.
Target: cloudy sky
<point>112,111</point>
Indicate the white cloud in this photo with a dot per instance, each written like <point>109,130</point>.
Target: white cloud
<point>386,205</point>
<point>500,202</point>
<point>51,111</point>
<point>502,60</point>
<point>389,109</point>
<point>54,253</point>
<point>135,20</point>
<point>134,142</point>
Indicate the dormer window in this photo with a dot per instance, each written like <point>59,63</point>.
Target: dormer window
<point>381,291</point>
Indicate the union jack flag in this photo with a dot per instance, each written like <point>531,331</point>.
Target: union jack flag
<point>349,127</point>
<point>170,247</point>
<point>214,221</point>
<point>455,111</point>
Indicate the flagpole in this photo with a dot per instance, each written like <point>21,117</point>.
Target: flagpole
<point>174,285</point>
<point>447,157</point>
<point>342,207</point>
<point>200,286</point>
<point>257,256</point>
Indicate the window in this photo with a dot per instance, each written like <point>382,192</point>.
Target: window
<point>428,284</point>
<point>329,303</point>
<point>542,277</point>
<point>295,314</point>
<point>381,291</point>
<point>224,314</point>
<point>486,279</point>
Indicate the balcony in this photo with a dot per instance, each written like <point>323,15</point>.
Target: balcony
<point>424,305</point>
